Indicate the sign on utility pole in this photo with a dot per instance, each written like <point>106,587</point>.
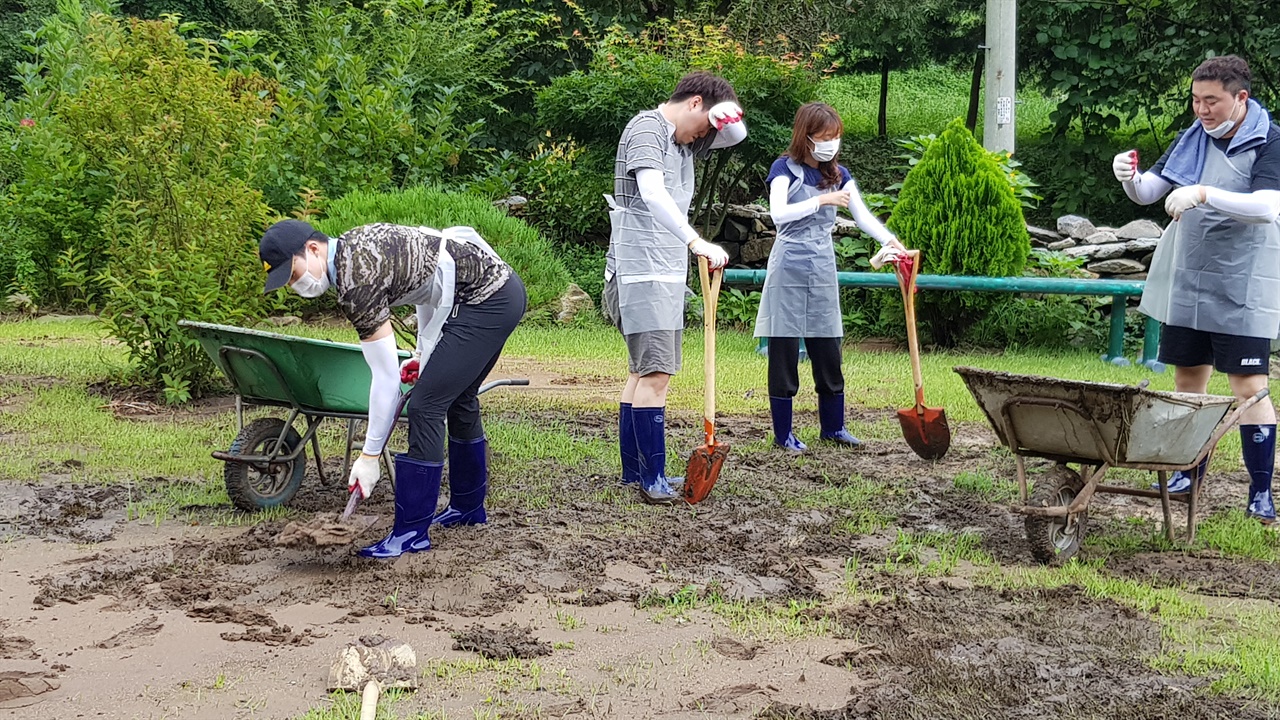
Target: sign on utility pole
<point>1002,31</point>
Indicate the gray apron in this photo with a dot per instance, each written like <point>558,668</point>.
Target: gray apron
<point>801,296</point>
<point>1213,273</point>
<point>651,264</point>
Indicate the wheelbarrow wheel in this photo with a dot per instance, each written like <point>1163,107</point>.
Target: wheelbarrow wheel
<point>1055,540</point>
<point>256,486</point>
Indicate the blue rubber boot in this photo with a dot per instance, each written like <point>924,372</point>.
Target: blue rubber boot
<point>831,420</point>
<point>1180,481</point>
<point>468,483</point>
<point>417,490</point>
<point>651,441</point>
<point>627,445</point>
<point>1259,445</point>
<point>780,408</point>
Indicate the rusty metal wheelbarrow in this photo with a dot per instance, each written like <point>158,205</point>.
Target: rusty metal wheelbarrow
<point>1097,426</point>
<point>315,379</point>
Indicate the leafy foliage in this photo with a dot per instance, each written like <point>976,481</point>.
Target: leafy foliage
<point>958,208</point>
<point>629,73</point>
<point>180,224</point>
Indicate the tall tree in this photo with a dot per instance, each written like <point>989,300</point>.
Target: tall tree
<point>886,35</point>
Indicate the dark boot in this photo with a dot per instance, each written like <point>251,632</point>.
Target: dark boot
<point>468,483</point>
<point>627,445</point>
<point>780,408</point>
<point>1180,481</point>
<point>1259,445</point>
<point>417,490</point>
<point>651,442</point>
<point>831,420</point>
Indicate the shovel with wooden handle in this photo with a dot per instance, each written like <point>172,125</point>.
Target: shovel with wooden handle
<point>924,428</point>
<point>703,470</point>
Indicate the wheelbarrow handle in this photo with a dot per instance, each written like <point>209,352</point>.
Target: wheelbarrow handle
<point>521,382</point>
<point>1229,422</point>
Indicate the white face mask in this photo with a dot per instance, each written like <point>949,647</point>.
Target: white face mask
<point>308,286</point>
<point>824,150</point>
<point>1224,127</point>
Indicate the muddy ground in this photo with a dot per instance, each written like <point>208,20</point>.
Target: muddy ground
<point>100,617</point>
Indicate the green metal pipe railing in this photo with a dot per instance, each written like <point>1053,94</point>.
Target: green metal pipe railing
<point>1119,290</point>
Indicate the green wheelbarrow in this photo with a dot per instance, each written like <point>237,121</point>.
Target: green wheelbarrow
<point>314,379</point>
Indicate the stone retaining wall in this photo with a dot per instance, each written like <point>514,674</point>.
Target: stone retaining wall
<point>1123,253</point>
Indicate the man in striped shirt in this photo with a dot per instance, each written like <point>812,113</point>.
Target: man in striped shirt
<point>648,260</point>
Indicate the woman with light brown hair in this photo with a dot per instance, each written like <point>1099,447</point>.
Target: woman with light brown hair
<point>801,297</point>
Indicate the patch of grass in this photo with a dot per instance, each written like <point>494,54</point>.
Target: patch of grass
<point>1128,537</point>
<point>568,621</point>
<point>204,503</point>
<point>1239,643</point>
<point>935,554</point>
<point>760,619</point>
<point>502,675</point>
<point>1167,603</point>
<point>1235,534</point>
<point>921,101</point>
<point>862,503</point>
<point>346,706</point>
<point>985,486</point>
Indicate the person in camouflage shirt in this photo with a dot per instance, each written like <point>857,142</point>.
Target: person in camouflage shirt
<point>468,301</point>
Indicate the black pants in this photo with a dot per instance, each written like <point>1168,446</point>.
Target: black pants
<point>469,347</point>
<point>784,361</point>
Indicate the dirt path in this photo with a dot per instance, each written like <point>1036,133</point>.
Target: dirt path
<point>106,618</point>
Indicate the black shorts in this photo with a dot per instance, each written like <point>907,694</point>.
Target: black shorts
<point>1230,354</point>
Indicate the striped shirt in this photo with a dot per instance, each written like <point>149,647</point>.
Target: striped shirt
<point>644,144</point>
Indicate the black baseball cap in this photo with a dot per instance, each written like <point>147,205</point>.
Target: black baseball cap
<point>279,244</point>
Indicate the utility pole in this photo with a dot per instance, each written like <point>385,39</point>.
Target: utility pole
<point>1002,33</point>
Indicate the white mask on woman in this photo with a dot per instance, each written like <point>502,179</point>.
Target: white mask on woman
<point>824,150</point>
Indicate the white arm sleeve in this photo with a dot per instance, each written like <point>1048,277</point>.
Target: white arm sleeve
<point>730,135</point>
<point>662,206</point>
<point>1259,207</point>
<point>783,212</point>
<point>1146,188</point>
<point>384,391</point>
<point>867,222</point>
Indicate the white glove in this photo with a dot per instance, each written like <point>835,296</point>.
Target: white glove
<point>365,473</point>
<point>1183,199</point>
<point>1125,166</point>
<point>715,255</point>
<point>725,113</point>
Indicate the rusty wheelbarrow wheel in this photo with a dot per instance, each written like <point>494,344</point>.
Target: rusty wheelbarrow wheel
<point>1055,540</point>
<point>257,486</point>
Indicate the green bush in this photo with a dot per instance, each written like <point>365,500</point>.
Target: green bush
<point>183,215</point>
<point>565,183</point>
<point>528,252</point>
<point>958,208</point>
<point>629,73</point>
<point>48,203</point>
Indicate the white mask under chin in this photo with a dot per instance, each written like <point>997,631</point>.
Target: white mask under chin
<point>824,150</point>
<point>309,287</point>
<point>1224,127</point>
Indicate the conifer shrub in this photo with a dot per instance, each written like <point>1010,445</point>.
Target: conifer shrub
<point>957,207</point>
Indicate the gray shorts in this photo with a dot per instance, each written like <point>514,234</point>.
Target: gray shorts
<point>655,351</point>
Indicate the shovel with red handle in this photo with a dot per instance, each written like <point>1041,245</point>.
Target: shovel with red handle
<point>924,428</point>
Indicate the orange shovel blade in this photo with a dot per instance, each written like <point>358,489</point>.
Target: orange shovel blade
<point>926,431</point>
<point>703,470</point>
